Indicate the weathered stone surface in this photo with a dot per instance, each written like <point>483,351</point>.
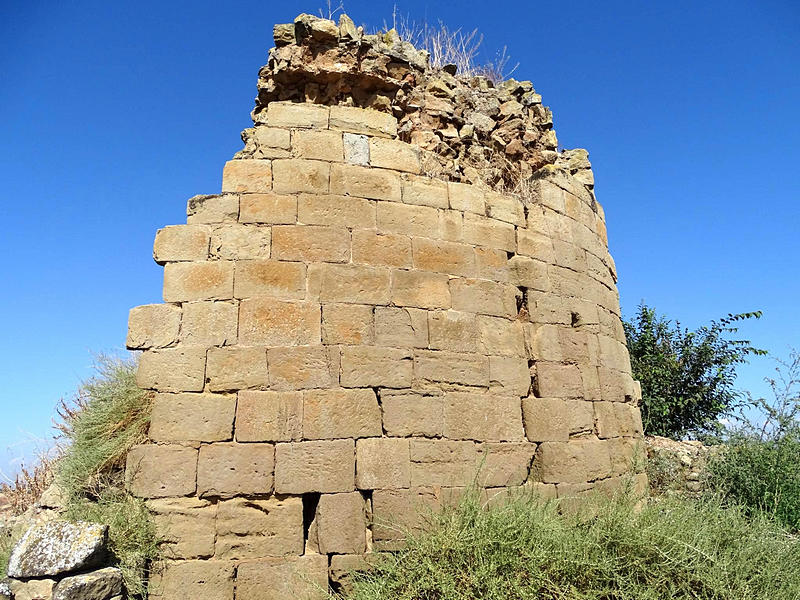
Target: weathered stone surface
<point>249,528</point>
<point>186,526</point>
<point>236,368</point>
<point>410,414</point>
<point>33,589</point>
<point>401,327</point>
<point>555,419</point>
<point>268,208</point>
<point>383,463</point>
<point>451,367</point>
<point>247,176</point>
<point>318,145</point>
<point>482,417</point>
<point>334,414</point>
<point>181,243</point>
<point>506,464</point>
<point>227,470</point>
<point>206,579</point>
<point>355,180</point>
<point>368,122</point>
<point>342,568</point>
<point>188,281</point>
<point>393,154</point>
<point>337,211</point>
<point>291,175</point>
<point>159,471</point>
<point>212,209</point>
<point>323,466</point>
<point>443,462</point>
<point>576,461</point>
<point>347,324</point>
<point>421,290</point>
<point>192,417</point>
<point>311,243</point>
<point>233,242</point>
<point>290,114</point>
<point>172,369</point>
<point>270,278</point>
<point>301,578</point>
<point>153,326</point>
<point>484,297</point>
<point>381,249</point>
<point>356,149</point>
<point>209,324</point>
<point>351,283</point>
<point>398,511</point>
<point>102,584</point>
<point>269,416</point>
<point>443,257</point>
<point>58,547</point>
<point>340,524</point>
<point>370,366</point>
<point>404,219</point>
<point>279,323</point>
<point>303,367</point>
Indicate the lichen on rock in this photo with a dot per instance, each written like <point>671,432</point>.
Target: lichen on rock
<point>58,547</point>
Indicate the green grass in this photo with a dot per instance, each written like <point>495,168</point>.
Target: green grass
<point>526,550</point>
<point>6,545</point>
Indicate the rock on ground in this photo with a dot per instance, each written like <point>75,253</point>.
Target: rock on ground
<point>57,547</point>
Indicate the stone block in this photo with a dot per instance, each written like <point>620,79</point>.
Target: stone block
<point>303,367</point>
<point>394,154</point>
<point>311,243</point>
<point>506,464</point>
<point>292,175</point>
<point>491,233</point>
<point>206,579</point>
<point>209,323</point>
<point>192,417</point>
<point>326,466</point>
<point>181,242</point>
<point>347,324</point>
<point>555,380</point>
<point>492,264</point>
<point>509,375</point>
<point>401,327</point>
<point>337,414</point>
<point>535,245</point>
<point>499,336</point>
<point>157,471</point>
<point>32,589</point>
<point>301,578</point>
<point>576,461</point>
<point>270,278</point>
<point>212,209</point>
<point>555,419</point>
<point>342,568</point>
<point>482,417</point>
<point>229,469</point>
<point>451,226</point>
<point>236,368</point>
<point>606,420</point>
<point>529,273</point>
<point>453,330</point>
<point>185,526</point>
<point>365,121</point>
<point>424,191</point>
<point>484,297</point>
<point>381,249</point>
<point>407,219</point>
<point>353,284</point>
<point>467,198</point>
<point>188,281</point>
<point>272,138</point>
<point>318,145</point>
<point>172,370</point>
<point>247,175</point>
<point>383,463</point>
<point>420,289</point>
<point>236,242</point>
<point>153,326</point>
<point>336,211</point>
<point>451,367</point>
<point>340,524</point>
<point>443,257</point>
<point>269,416</point>
<point>356,149</point>
<point>411,414</point>
<point>505,208</point>
<point>290,115</point>
<point>371,366</point>
<point>250,528</point>
<point>396,512</point>
<point>272,209</point>
<point>274,322</point>
<point>443,463</point>
<point>364,182</point>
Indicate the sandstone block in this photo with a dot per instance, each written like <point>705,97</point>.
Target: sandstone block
<point>528,272</point>
<point>158,471</point>
<point>442,463</point>
<point>33,589</point>
<point>482,417</point>
<point>279,323</point>
<point>576,461</point>
<point>483,231</point>
<point>509,375</point>
<point>381,249</point>
<point>606,420</point>
<point>318,145</point>
<point>484,297</point>
<point>206,579</point>
<point>451,367</point>
<point>506,464</point>
<point>536,245</point>
<point>550,195</point>
<point>227,470</point>
<point>424,191</point>
<point>212,209</point>
<point>311,243</point>
<point>320,466</point>
<point>443,257</point>
<point>397,511</point>
<point>188,281</point>
<point>342,568</point>
<point>370,366</point>
<point>297,114</point>
<point>406,219</point>
<point>505,208</point>
<point>303,367</point>
<point>337,211</point>
<point>340,524</point>
<point>452,330</point>
<point>336,413</point>
<point>250,528</point>
<point>103,583</point>
<point>467,198</point>
<point>269,416</point>
<point>352,284</point>
<point>614,385</point>
<point>394,154</point>
<point>383,463</point>
<point>555,419</point>
<point>420,289</point>
<point>248,175</point>
<point>240,242</point>
<point>186,526</point>
<point>410,414</point>
<point>451,226</point>
<point>272,138</point>
<point>181,242</point>
<point>347,324</point>
<point>172,370</point>
<point>364,182</point>
<point>270,278</point>
<point>236,368</point>
<point>153,326</point>
<point>555,380</point>
<point>209,323</point>
<point>356,149</point>
<point>492,264</point>
<point>291,175</point>
<point>366,121</point>
<point>301,578</point>
<point>270,208</point>
<point>500,336</point>
<point>401,327</point>
<point>192,417</point>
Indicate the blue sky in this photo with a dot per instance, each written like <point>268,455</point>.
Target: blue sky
<point>114,114</point>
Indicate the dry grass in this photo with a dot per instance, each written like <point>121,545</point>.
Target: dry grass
<point>29,484</point>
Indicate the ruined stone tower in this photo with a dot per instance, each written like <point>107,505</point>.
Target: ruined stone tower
<point>402,288</point>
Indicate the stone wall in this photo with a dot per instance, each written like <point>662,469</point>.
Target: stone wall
<point>346,342</point>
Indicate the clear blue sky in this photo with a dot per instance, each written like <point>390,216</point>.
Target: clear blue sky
<point>115,113</point>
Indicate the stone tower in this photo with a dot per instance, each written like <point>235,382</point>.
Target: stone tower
<point>402,288</point>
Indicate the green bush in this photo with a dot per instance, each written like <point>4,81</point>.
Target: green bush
<point>526,550</point>
<point>687,376</point>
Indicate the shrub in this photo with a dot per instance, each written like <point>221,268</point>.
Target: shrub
<point>671,548</point>
<point>687,376</point>
<point>6,545</point>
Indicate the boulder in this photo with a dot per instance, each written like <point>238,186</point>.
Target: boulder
<point>103,584</point>
<point>5,589</point>
<point>35,589</point>
<point>58,547</point>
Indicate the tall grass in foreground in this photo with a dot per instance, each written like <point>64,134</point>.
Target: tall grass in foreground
<point>526,550</point>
